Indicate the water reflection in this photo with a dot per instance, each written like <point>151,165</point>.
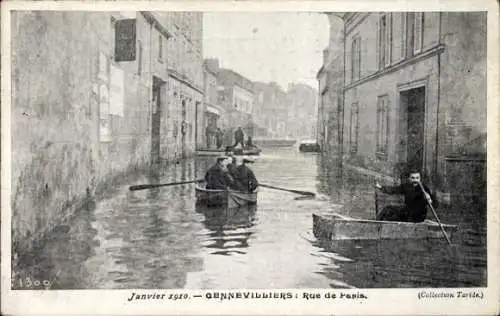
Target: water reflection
<point>55,261</point>
<point>229,228</point>
<point>400,263</point>
<point>390,263</point>
<point>159,238</point>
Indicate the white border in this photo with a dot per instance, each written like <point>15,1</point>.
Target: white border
<point>390,301</point>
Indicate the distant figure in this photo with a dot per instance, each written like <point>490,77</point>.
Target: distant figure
<point>208,134</point>
<point>218,137</point>
<point>250,143</point>
<point>246,178</point>
<point>239,137</point>
<point>415,209</point>
<point>217,177</point>
<point>232,166</point>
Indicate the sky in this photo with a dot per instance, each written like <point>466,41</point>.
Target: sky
<point>270,46</point>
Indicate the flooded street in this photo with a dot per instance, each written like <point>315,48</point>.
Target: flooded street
<point>158,238</point>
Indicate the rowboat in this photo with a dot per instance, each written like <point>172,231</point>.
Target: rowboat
<point>237,152</point>
<point>224,198</point>
<point>339,227</point>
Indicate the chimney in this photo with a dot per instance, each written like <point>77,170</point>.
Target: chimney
<point>325,56</point>
<point>212,64</point>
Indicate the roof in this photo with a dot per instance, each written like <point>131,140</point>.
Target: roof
<point>229,77</point>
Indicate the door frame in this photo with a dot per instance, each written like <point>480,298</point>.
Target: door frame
<point>156,110</point>
<point>405,87</point>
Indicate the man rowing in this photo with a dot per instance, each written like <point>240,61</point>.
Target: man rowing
<point>217,177</point>
<point>245,178</point>
<point>417,196</point>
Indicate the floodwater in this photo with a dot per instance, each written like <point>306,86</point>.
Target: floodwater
<point>159,239</point>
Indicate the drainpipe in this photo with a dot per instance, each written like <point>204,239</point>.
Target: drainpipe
<point>435,171</point>
<point>343,96</point>
<point>150,88</point>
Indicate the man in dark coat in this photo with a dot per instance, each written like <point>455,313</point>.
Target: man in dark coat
<point>217,177</point>
<point>416,201</point>
<point>250,143</point>
<point>218,137</point>
<point>246,178</point>
<point>239,137</point>
<point>232,170</point>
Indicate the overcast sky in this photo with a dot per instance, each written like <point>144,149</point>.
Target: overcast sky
<point>281,47</point>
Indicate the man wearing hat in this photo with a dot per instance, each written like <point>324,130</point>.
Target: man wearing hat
<point>217,177</point>
<point>246,178</point>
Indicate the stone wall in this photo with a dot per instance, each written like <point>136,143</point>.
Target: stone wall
<point>463,104</point>
<point>53,119</point>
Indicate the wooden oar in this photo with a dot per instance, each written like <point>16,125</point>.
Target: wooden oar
<point>287,190</point>
<point>150,186</point>
<point>435,215</point>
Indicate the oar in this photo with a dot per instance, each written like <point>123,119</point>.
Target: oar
<point>436,216</point>
<point>150,186</point>
<point>287,190</point>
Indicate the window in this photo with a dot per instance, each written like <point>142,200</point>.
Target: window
<point>384,40</point>
<point>414,33</point>
<point>418,30</point>
<point>382,125</point>
<point>139,58</point>
<point>355,59</point>
<point>354,127</point>
<point>160,48</point>
<point>402,22</point>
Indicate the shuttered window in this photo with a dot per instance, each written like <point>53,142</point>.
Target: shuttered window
<point>418,32</point>
<point>382,125</point>
<point>354,127</point>
<point>355,59</point>
<point>384,36</point>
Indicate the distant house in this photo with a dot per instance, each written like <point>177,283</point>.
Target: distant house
<point>236,97</point>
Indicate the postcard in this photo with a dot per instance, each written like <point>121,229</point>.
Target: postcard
<point>218,157</point>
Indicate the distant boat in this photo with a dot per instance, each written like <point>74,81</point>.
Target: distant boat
<point>224,198</point>
<point>275,142</point>
<point>336,226</point>
<point>309,145</point>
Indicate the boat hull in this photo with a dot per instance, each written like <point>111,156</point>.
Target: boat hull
<point>338,227</point>
<point>224,198</point>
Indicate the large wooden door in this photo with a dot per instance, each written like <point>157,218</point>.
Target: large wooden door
<point>413,127</point>
<point>156,121</point>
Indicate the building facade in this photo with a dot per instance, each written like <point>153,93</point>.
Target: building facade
<point>271,110</point>
<point>415,95</point>
<point>236,96</point>
<point>185,93</point>
<point>301,101</point>
<point>330,77</point>
<point>212,111</point>
<point>90,103</point>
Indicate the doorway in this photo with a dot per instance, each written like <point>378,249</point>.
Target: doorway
<point>158,84</point>
<point>412,127</point>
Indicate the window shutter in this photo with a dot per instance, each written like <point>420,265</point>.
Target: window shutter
<point>379,23</point>
<point>418,32</point>
<point>402,52</point>
<point>125,40</point>
<point>388,39</point>
<point>359,57</point>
